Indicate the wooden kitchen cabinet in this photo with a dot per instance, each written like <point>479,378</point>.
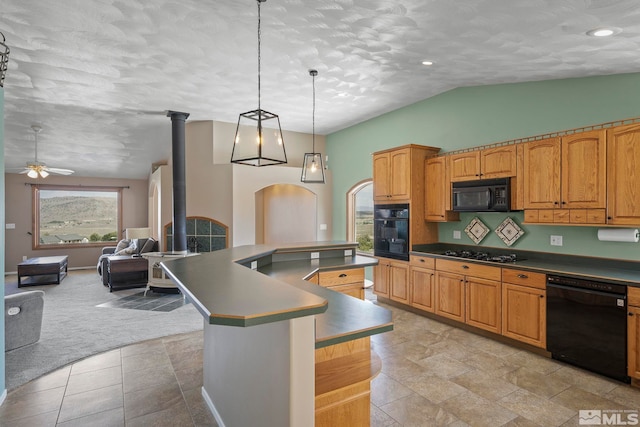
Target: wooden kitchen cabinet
<point>483,304</point>
<point>633,332</point>
<point>450,295</point>
<point>347,281</point>
<point>541,174</point>
<point>398,177</point>
<point>391,280</point>
<point>498,162</point>
<point>524,309</point>
<point>392,175</point>
<point>422,283</point>
<point>470,293</point>
<point>437,199</point>
<point>623,176</point>
<point>584,170</point>
<point>564,179</point>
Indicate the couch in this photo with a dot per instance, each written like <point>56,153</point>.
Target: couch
<point>22,319</point>
<point>122,266</point>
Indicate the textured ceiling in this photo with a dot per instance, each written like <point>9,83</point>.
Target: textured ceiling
<point>98,75</point>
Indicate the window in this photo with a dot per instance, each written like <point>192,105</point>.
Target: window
<point>360,215</point>
<point>76,216</point>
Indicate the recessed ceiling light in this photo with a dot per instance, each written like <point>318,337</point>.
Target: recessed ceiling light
<point>604,31</point>
<point>427,62</point>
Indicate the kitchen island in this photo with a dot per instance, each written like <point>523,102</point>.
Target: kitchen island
<point>279,350</point>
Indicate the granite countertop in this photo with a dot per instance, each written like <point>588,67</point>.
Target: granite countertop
<point>612,270</point>
<point>227,292</point>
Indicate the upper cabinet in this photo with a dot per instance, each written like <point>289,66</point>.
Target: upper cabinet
<point>541,174</point>
<point>392,175</point>
<point>564,179</point>
<point>438,191</point>
<point>584,170</point>
<point>399,177</point>
<point>498,162</point>
<point>398,173</point>
<point>623,170</point>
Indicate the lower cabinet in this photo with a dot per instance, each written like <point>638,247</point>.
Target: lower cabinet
<point>450,295</point>
<point>524,306</point>
<point>633,332</point>
<point>347,281</point>
<point>483,304</point>
<point>422,283</point>
<point>469,293</point>
<point>391,280</point>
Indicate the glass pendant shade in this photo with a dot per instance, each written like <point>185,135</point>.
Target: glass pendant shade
<point>312,168</point>
<point>256,144</point>
<point>258,140</point>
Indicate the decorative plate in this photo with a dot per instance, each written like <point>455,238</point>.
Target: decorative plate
<point>476,230</point>
<point>509,231</point>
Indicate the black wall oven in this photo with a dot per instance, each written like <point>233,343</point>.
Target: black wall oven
<point>391,231</point>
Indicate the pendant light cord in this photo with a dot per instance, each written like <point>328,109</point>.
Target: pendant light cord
<point>313,115</point>
<point>259,57</point>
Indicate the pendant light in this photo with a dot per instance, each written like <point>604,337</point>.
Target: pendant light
<point>312,168</point>
<point>254,143</point>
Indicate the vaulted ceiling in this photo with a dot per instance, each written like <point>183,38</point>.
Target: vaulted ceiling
<point>98,75</point>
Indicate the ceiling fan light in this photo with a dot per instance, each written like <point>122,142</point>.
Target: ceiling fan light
<point>44,173</point>
<point>32,173</point>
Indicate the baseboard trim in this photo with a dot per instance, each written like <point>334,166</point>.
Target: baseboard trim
<point>212,408</point>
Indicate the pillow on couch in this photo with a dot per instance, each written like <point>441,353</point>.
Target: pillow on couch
<point>128,250</point>
<point>148,246</point>
<point>122,244</point>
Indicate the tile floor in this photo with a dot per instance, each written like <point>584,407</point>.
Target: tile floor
<point>432,375</point>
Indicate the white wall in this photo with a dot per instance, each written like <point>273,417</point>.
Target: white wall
<point>227,193</point>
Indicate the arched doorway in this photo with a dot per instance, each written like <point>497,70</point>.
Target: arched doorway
<point>285,213</point>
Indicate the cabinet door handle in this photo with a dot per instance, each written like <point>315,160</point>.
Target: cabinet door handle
<point>555,203</point>
<point>465,267</point>
<point>541,296</point>
<point>342,275</point>
<point>523,276</point>
<point>630,314</point>
<point>421,260</point>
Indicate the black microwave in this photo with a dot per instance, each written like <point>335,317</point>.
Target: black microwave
<point>485,195</point>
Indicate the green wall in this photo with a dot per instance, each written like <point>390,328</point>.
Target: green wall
<point>473,116</point>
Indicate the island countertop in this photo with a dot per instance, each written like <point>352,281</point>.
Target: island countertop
<point>251,285</point>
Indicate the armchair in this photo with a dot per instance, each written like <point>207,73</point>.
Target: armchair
<point>22,318</point>
<point>123,266</point>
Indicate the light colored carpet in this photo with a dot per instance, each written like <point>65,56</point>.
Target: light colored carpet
<point>73,327</point>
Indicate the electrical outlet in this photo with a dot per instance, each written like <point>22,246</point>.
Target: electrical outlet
<point>254,265</point>
<point>457,234</point>
<point>24,257</point>
<point>556,241</point>
<point>315,255</point>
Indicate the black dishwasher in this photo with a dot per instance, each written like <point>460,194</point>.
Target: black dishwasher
<point>587,324</point>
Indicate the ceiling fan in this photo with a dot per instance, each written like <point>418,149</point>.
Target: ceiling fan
<point>35,168</point>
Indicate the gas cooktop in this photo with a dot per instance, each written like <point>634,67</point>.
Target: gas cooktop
<point>482,256</point>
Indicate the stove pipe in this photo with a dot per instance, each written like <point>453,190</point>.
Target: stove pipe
<point>179,181</point>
